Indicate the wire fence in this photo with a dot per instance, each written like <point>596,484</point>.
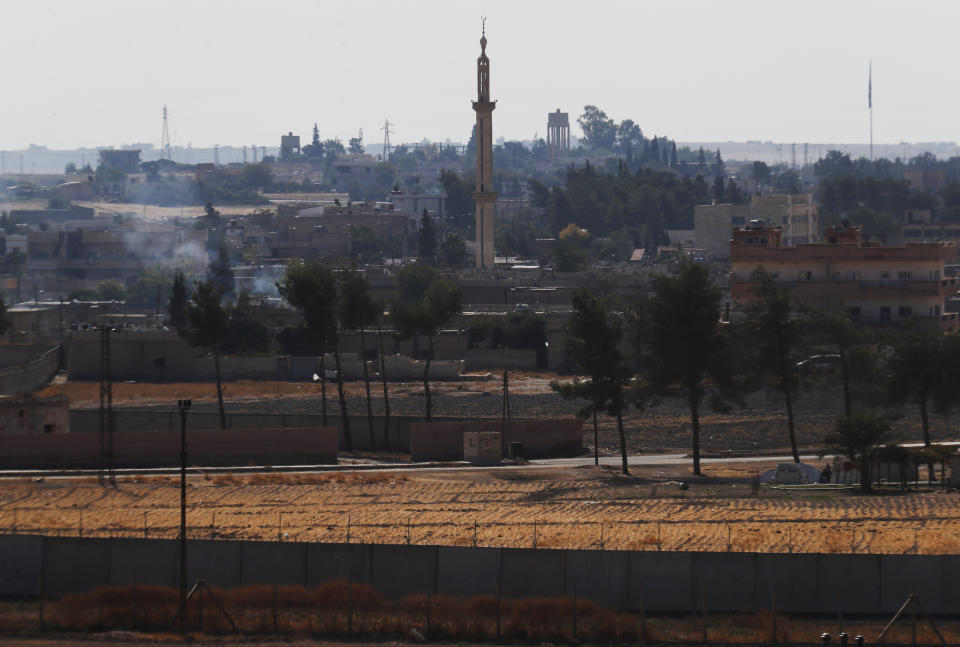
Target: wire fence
<point>880,536</point>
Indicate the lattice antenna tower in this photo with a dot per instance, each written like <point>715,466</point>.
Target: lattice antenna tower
<point>244,154</point>
<point>165,137</point>
<point>386,139</point>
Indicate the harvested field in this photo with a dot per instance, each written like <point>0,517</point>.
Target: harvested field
<point>760,426</point>
<point>569,508</point>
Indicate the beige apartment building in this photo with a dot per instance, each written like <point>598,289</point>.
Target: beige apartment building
<point>796,215</point>
<point>869,281</point>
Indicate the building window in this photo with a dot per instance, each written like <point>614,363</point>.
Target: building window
<point>884,276</point>
<point>903,276</point>
<point>885,313</point>
<point>905,311</point>
<point>934,275</point>
<point>48,428</point>
<point>855,275</point>
<point>936,310</point>
<point>737,221</point>
<point>805,275</point>
<point>853,313</point>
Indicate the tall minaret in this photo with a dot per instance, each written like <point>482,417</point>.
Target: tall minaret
<point>485,196</point>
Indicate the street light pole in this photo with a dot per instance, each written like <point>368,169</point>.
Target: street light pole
<point>184,406</point>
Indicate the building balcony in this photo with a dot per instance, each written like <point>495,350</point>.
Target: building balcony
<point>947,322</point>
<point>814,288</point>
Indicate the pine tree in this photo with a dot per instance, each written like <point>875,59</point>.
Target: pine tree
<point>427,244</point>
<point>177,306</point>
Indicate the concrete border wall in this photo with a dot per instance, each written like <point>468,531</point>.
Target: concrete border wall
<point>672,582</point>
<point>157,448</point>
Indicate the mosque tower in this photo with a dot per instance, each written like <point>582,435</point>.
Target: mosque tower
<point>484,196</point>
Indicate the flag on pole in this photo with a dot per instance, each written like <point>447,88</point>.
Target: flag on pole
<point>870,87</point>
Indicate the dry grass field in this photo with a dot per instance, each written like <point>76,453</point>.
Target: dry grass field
<point>87,394</point>
<point>663,429</point>
<point>569,508</point>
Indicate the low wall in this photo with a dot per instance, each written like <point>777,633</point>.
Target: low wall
<point>162,448</point>
<point>139,420</point>
<point>500,359</point>
<point>31,376</point>
<point>13,354</point>
<point>540,438</point>
<point>667,582</point>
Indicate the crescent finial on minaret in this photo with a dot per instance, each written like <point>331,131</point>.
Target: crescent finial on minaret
<point>483,35</point>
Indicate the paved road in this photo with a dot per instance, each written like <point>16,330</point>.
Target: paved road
<point>637,460</point>
<point>641,460</point>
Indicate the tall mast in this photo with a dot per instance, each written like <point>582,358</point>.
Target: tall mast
<point>870,105</point>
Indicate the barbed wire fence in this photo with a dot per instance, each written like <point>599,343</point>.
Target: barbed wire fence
<point>920,535</point>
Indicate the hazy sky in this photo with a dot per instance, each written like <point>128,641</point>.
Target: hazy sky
<point>98,72</point>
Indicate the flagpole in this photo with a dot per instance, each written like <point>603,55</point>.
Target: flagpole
<point>870,105</point>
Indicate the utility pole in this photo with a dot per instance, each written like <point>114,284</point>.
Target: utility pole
<point>60,352</point>
<point>165,137</point>
<point>106,409</point>
<point>184,406</point>
<point>386,139</point>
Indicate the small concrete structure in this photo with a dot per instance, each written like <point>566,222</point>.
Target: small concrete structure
<point>791,474</point>
<point>25,414</point>
<point>482,447</point>
<point>443,441</point>
<point>896,472</point>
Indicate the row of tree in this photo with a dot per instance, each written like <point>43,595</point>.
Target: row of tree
<point>674,344</point>
<point>331,299</point>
